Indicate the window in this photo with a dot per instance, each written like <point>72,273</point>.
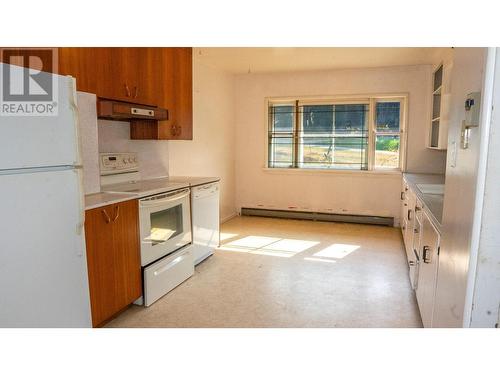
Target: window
<point>362,134</point>
<point>387,134</point>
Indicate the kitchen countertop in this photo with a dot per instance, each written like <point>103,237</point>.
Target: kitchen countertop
<point>103,199</point>
<point>171,183</point>
<point>194,181</point>
<point>433,203</point>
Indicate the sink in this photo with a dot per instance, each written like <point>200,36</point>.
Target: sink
<point>437,189</point>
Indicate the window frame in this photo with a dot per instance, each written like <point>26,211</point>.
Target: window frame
<point>371,100</point>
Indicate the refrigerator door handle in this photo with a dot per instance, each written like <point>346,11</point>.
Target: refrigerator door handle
<point>81,223</point>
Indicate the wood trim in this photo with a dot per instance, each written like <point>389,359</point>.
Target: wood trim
<point>144,129</point>
<point>111,109</point>
<point>296,136</point>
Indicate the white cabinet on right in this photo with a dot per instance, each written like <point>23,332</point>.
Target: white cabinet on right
<point>428,251</point>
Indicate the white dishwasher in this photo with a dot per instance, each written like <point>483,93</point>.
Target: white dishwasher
<point>205,217</point>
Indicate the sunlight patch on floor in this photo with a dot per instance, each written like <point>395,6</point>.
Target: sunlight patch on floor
<point>337,251</point>
<point>281,247</point>
<point>320,260</point>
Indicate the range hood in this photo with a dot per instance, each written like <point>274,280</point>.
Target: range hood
<point>115,110</point>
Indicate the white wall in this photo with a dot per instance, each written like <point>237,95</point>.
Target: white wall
<point>354,193</point>
<point>211,152</point>
<point>486,261</point>
<point>460,189</point>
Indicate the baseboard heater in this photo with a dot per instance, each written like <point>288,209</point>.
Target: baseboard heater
<point>318,216</point>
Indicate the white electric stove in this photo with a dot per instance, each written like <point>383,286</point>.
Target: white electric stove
<point>120,174</point>
<point>164,220</point>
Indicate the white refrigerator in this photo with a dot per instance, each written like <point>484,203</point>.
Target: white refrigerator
<point>43,267</point>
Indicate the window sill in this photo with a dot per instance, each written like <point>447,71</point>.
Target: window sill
<point>291,171</point>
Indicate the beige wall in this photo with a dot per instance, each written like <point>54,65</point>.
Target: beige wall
<point>353,193</point>
<point>211,152</point>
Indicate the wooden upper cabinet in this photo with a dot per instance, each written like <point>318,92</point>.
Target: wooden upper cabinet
<point>147,70</point>
<point>161,77</point>
<point>183,92</point>
<point>176,90</point>
<point>124,74</point>
<point>113,258</point>
<point>81,64</point>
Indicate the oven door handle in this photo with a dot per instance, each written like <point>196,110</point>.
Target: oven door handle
<point>157,202</point>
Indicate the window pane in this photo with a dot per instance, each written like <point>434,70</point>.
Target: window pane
<point>316,152</point>
<point>334,136</point>
<point>280,152</point>
<point>283,118</point>
<point>350,118</point>
<point>334,153</point>
<point>387,119</point>
<point>387,151</point>
<point>317,119</point>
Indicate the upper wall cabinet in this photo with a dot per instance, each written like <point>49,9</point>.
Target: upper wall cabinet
<point>176,94</point>
<point>152,76</point>
<point>441,95</point>
<point>126,74</point>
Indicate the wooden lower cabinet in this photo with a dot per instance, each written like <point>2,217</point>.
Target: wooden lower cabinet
<point>113,258</point>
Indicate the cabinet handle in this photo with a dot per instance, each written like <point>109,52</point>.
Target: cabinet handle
<point>117,213</point>
<point>106,216</point>
<point>136,91</point>
<point>402,195</point>
<point>426,249</point>
<point>409,214</point>
<point>176,130</point>
<point>127,91</point>
<point>416,256</point>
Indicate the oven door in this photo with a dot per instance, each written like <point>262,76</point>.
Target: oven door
<point>165,221</point>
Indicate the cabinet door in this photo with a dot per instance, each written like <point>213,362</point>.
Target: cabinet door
<point>183,88</point>
<point>126,250</point>
<point>175,90</point>
<point>80,63</point>
<point>112,82</point>
<point>410,222</point>
<point>100,263</point>
<point>404,208</point>
<point>144,70</point>
<point>177,94</point>
<point>113,258</point>
<point>428,268</point>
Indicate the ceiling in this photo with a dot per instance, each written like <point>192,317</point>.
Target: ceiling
<point>284,59</point>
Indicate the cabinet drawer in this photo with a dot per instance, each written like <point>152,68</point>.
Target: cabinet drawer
<point>163,276</point>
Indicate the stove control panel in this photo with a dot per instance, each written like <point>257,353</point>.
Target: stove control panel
<point>120,162</point>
